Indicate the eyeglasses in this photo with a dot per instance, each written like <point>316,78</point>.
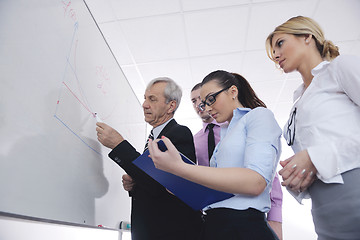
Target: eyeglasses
<point>290,133</point>
<point>211,99</point>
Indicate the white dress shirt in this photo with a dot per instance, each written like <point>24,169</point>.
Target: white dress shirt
<point>157,130</point>
<point>327,120</point>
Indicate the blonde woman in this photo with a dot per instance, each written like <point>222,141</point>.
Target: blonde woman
<point>323,128</point>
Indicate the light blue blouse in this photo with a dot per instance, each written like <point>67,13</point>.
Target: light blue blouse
<point>251,140</point>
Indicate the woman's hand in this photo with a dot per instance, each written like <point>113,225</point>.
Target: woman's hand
<point>298,171</point>
<point>170,160</point>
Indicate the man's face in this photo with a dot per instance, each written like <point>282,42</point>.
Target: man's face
<point>156,111</point>
<point>195,99</point>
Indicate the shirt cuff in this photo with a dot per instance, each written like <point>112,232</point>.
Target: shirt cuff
<point>329,172</point>
<point>275,214</point>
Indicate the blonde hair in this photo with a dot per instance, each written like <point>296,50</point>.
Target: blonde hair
<point>300,26</point>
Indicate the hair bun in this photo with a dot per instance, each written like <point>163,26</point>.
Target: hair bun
<point>330,50</point>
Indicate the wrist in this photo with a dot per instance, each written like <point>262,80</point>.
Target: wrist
<point>117,142</point>
<point>183,169</point>
<point>179,168</point>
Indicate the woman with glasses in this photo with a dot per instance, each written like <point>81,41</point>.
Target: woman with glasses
<point>243,163</point>
<point>323,128</point>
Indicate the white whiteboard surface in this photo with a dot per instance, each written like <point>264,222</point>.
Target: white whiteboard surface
<point>56,72</point>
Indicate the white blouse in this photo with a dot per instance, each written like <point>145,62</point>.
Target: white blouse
<point>327,119</point>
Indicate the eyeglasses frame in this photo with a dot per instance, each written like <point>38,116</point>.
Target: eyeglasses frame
<point>203,103</point>
<point>291,136</point>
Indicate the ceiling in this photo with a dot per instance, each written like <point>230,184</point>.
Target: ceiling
<point>187,39</point>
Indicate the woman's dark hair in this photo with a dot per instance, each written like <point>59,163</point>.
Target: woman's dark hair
<point>246,95</point>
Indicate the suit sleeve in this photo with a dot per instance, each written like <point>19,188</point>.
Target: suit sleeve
<point>183,140</point>
<point>123,155</point>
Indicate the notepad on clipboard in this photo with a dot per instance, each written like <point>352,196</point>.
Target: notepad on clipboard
<point>195,195</point>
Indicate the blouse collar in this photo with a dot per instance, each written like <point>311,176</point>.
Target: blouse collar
<point>315,71</point>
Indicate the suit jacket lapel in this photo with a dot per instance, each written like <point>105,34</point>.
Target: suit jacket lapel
<point>167,128</point>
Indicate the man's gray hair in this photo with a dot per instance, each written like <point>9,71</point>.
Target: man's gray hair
<point>172,90</point>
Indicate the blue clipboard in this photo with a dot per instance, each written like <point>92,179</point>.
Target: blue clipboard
<point>195,195</point>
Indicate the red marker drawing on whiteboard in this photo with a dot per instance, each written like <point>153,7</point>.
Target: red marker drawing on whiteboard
<point>98,118</point>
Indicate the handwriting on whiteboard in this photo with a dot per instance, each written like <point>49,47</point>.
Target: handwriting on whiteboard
<point>68,10</point>
<point>104,79</point>
<point>72,87</point>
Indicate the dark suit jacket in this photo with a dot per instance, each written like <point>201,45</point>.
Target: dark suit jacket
<point>156,214</point>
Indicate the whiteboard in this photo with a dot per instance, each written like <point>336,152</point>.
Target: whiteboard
<point>56,72</point>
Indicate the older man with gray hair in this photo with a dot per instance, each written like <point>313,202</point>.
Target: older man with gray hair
<point>155,213</point>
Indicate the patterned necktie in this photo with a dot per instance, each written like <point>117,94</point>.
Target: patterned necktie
<point>211,139</point>
<point>151,136</point>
